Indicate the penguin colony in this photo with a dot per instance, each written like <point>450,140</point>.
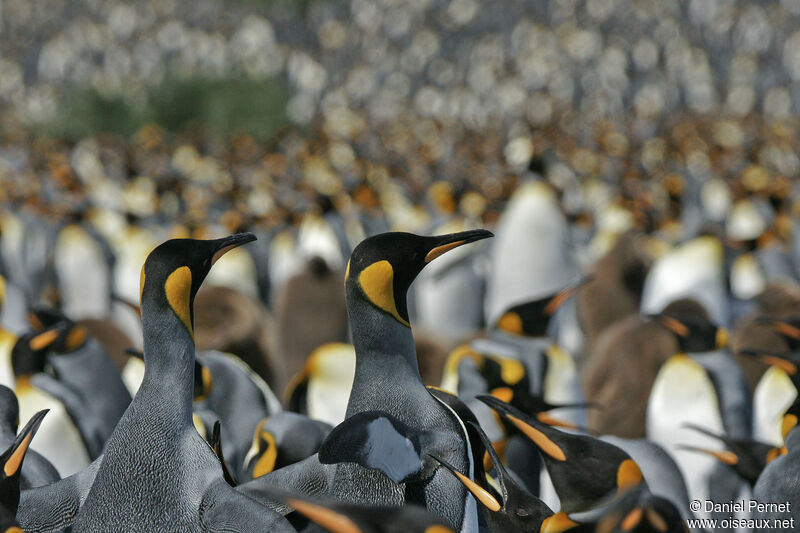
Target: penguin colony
<point>559,376</point>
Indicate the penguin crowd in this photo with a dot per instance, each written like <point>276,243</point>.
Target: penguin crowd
<point>531,371</point>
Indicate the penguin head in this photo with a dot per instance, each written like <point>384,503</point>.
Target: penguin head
<point>174,270</point>
<point>29,357</point>
<point>786,327</point>
<point>692,327</point>
<point>532,318</point>
<point>382,267</point>
<point>55,332</point>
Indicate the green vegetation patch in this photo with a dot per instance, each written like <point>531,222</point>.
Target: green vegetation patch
<point>217,107</point>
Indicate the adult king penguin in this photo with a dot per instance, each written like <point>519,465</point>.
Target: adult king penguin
<point>363,461</point>
<point>157,472</point>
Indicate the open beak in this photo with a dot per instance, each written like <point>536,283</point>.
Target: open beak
<point>227,244</point>
<point>444,243</point>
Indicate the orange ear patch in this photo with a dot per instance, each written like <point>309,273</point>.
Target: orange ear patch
<point>43,340</point>
<point>76,337</point>
<point>510,322</point>
<point>266,463</point>
<point>628,474</point>
<point>377,282</point>
<point>178,289</point>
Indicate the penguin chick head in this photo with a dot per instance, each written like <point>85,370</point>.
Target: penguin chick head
<point>174,270</point>
<point>692,327</point>
<point>382,267</point>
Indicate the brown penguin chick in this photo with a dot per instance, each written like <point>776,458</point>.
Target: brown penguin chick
<point>615,288</point>
<point>620,371</point>
<point>310,311</point>
<point>431,355</point>
<point>777,300</point>
<point>228,321</point>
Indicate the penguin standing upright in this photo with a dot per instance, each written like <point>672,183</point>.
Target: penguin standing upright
<point>366,459</point>
<point>701,385</point>
<point>84,265</point>
<point>157,471</point>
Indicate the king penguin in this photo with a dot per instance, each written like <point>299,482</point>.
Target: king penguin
<point>389,405</point>
<point>157,472</point>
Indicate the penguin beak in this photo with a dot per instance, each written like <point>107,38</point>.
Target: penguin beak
<point>559,299</point>
<point>724,456</point>
<point>771,359</point>
<point>227,244</point>
<point>444,243</point>
<point>21,443</point>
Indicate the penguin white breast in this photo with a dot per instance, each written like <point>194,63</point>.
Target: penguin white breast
<point>58,439</point>
<point>684,394</point>
<point>773,395</point>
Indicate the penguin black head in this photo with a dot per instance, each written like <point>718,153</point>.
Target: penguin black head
<point>509,506</point>
<point>693,329</point>
<point>382,267</point>
<point>746,457</point>
<point>173,272</point>
<point>786,327</point>
<point>55,332</point>
<point>584,470</point>
<point>29,356</point>
<point>531,319</point>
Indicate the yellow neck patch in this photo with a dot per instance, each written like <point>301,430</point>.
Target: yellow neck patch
<point>141,285</point>
<point>557,523</point>
<point>510,322</point>
<point>178,289</point>
<point>628,474</point>
<point>377,283</point>
<point>788,424</point>
<point>511,370</point>
<point>266,463</point>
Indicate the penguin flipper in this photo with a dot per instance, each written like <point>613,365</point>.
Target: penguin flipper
<point>224,509</point>
<point>55,506</point>
<point>85,420</point>
<point>308,476</point>
<point>379,441</point>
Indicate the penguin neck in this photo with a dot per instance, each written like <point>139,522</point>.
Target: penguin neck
<point>169,354</point>
<point>384,347</point>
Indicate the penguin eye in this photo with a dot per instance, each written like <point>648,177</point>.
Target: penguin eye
<point>522,512</point>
